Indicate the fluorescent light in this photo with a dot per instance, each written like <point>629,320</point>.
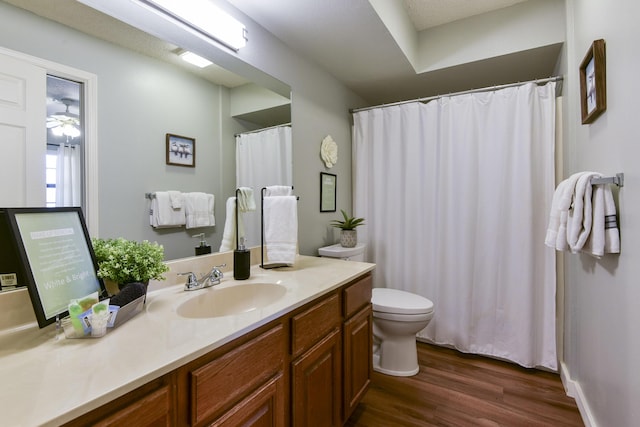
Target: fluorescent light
<point>206,18</point>
<point>194,59</point>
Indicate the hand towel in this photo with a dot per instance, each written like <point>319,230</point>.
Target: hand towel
<point>176,198</point>
<point>229,233</point>
<point>281,229</point>
<point>611,232</point>
<point>278,190</point>
<point>162,214</point>
<point>246,201</point>
<point>604,237</point>
<point>562,199</point>
<point>580,217</point>
<point>199,210</point>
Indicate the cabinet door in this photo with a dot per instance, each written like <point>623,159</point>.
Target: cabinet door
<point>263,408</point>
<point>317,384</point>
<point>358,361</point>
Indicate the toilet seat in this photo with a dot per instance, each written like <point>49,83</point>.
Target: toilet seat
<point>395,301</point>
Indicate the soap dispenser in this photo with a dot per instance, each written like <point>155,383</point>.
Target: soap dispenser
<point>203,249</point>
<point>241,262</point>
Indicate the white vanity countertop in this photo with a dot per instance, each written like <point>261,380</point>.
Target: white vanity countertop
<point>49,381</point>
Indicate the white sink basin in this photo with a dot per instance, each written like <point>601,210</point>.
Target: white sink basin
<point>237,299</point>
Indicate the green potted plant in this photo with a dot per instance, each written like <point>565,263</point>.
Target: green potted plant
<point>123,261</point>
<point>348,233</point>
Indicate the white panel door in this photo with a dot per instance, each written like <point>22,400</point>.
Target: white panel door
<point>22,133</point>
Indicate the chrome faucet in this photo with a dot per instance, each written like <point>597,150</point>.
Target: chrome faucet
<point>210,279</point>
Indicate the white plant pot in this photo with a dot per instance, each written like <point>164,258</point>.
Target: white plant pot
<point>348,238</point>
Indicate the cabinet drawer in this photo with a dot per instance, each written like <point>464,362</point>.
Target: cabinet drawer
<point>221,383</point>
<point>357,296</point>
<point>311,325</point>
<point>152,410</point>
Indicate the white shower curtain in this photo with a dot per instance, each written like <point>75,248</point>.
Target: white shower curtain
<point>68,176</point>
<point>263,158</point>
<point>456,194</point>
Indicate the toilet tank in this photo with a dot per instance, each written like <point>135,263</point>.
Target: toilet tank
<point>348,254</point>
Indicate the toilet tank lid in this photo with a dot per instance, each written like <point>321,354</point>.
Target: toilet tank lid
<point>399,302</point>
<point>338,251</point>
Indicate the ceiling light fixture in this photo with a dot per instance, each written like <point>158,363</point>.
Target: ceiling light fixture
<point>205,18</point>
<point>194,59</point>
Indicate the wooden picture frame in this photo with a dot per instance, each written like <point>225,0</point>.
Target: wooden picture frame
<point>593,82</point>
<point>328,183</point>
<point>181,150</point>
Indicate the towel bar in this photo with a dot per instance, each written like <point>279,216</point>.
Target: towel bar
<point>617,180</point>
<point>149,196</point>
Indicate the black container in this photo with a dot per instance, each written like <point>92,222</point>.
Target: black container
<point>241,263</point>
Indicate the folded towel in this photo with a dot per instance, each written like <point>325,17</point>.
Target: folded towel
<point>281,229</point>
<point>580,217</point>
<point>604,237</point>
<point>176,198</point>
<point>246,201</point>
<point>162,214</point>
<point>229,233</point>
<point>278,190</point>
<point>562,199</point>
<point>199,210</point>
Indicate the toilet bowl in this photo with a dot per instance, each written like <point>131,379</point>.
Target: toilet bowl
<point>397,317</point>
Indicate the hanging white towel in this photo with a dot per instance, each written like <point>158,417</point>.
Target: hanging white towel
<point>199,210</point>
<point>604,237</point>
<point>229,233</point>
<point>580,217</point>
<point>246,201</point>
<point>562,199</point>
<point>176,198</point>
<point>162,214</point>
<point>278,190</point>
<point>281,229</point>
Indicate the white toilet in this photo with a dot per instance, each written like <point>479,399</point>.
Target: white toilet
<point>397,317</point>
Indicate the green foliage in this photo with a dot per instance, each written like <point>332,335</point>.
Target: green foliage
<point>126,261</point>
<point>349,223</point>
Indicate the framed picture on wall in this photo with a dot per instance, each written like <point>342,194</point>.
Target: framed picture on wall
<point>327,192</point>
<point>181,150</point>
<point>593,82</point>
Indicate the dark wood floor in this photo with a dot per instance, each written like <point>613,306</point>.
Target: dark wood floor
<point>456,389</point>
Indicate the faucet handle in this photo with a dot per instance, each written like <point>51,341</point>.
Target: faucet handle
<point>192,280</point>
<point>215,273</point>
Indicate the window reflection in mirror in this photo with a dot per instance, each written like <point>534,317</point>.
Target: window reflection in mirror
<point>64,168</point>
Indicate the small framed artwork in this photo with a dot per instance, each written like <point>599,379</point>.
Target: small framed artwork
<point>181,151</point>
<point>327,192</point>
<point>593,82</point>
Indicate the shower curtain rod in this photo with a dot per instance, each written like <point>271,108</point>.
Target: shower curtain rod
<point>260,130</point>
<point>464,92</point>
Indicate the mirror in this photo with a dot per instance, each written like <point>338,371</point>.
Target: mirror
<point>144,92</point>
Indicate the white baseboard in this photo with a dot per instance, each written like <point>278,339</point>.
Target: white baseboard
<point>573,389</point>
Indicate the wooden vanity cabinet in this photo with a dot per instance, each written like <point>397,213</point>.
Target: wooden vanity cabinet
<point>309,368</point>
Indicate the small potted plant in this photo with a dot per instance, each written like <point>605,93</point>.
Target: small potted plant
<point>348,233</point>
<point>123,261</point>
